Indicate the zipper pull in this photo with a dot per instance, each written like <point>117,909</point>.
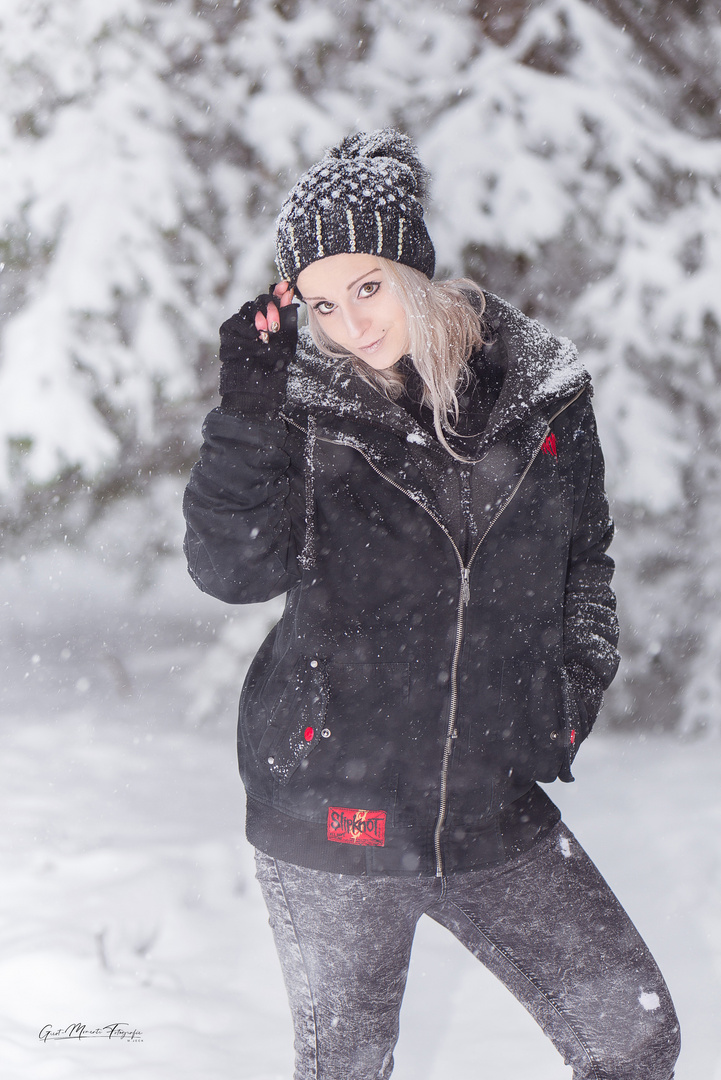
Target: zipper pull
<point>465,585</point>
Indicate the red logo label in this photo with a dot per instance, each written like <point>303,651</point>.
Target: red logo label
<point>367,827</point>
<point>549,446</point>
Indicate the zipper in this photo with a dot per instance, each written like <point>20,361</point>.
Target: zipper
<point>465,585</point>
<point>463,601</point>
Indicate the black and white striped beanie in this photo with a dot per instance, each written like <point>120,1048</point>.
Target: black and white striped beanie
<point>363,196</point>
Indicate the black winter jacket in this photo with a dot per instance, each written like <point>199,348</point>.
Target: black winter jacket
<point>449,629</point>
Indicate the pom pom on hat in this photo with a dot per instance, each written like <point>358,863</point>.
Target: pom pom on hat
<point>363,196</point>
<point>388,143</point>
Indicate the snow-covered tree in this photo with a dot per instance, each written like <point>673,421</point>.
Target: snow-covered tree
<point>109,274</point>
<point>576,151</point>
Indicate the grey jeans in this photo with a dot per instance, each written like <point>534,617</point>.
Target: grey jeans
<point>546,924</point>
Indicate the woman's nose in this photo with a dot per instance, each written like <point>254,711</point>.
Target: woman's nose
<point>355,323</point>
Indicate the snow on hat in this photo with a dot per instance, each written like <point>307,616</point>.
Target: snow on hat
<point>363,196</point>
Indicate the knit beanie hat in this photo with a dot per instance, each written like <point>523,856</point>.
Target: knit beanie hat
<point>363,196</point>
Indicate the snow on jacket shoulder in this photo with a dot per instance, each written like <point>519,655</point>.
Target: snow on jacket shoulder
<point>449,628</point>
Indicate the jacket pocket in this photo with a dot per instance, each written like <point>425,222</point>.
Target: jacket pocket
<point>531,716</point>
<point>372,691</point>
<point>296,724</point>
<point>372,734</point>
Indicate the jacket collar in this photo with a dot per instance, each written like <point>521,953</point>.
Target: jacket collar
<point>543,371</point>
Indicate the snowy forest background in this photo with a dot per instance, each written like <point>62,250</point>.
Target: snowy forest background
<point>576,153</point>
<point>575,148</point>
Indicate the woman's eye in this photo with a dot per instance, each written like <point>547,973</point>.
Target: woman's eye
<point>368,288</point>
<point>324,307</point>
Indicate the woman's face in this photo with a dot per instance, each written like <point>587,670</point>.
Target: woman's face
<point>356,307</point>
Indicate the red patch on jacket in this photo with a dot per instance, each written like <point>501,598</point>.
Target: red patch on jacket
<point>549,446</point>
<point>367,827</point>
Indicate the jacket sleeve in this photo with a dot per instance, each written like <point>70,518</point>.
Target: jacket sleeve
<point>243,509</point>
<point>590,624</point>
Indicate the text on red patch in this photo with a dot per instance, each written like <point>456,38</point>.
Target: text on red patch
<point>346,826</point>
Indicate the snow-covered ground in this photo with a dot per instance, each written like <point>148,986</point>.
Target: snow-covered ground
<point>127,888</point>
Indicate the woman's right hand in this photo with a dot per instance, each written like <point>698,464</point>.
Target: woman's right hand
<point>256,344</point>
<point>271,319</point>
<point>270,322</point>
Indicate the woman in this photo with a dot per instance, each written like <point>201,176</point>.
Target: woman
<point>419,472</point>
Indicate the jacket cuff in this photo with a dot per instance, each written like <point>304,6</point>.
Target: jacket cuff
<point>587,689</point>
<point>245,376</point>
<point>240,403</point>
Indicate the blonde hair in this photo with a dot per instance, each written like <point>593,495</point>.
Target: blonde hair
<point>445,326</point>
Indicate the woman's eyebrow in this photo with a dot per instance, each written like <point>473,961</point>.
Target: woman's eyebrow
<point>373,270</point>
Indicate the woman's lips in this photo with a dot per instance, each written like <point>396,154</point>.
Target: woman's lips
<point>374,345</point>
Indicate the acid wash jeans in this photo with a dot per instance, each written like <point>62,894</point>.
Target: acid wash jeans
<point>546,924</point>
